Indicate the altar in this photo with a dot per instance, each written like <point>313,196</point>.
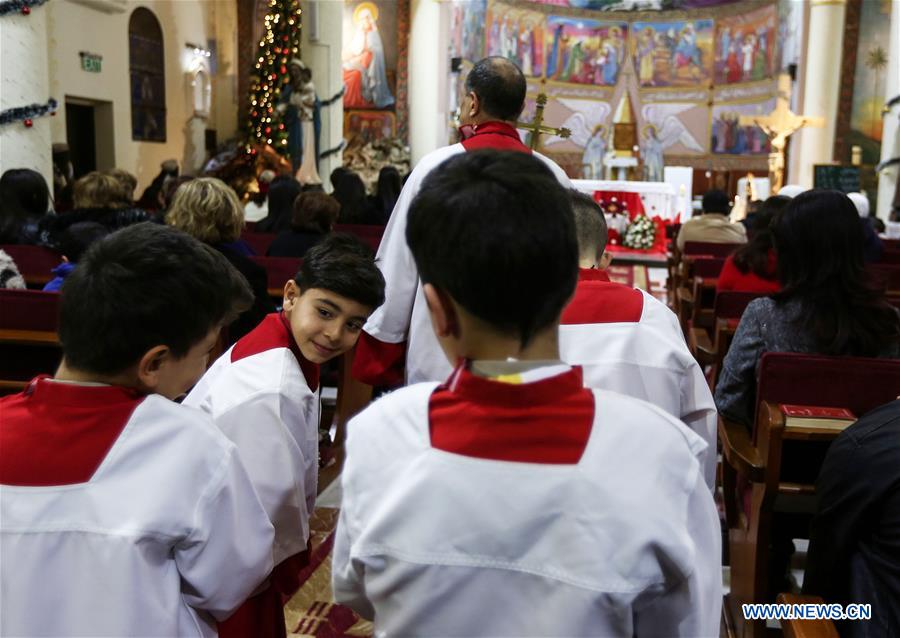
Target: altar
<point>658,198</point>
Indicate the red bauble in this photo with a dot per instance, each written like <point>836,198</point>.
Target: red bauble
<point>26,11</point>
<point>28,123</point>
<point>268,130</point>
<point>283,69</point>
<point>285,38</point>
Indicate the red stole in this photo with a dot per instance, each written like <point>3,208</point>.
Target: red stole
<point>598,300</point>
<point>499,136</point>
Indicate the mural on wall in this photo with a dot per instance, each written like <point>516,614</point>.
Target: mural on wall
<point>746,46</point>
<point>869,79</point>
<point>517,34</point>
<point>585,51</point>
<point>729,137</point>
<point>688,77</point>
<point>673,53</point>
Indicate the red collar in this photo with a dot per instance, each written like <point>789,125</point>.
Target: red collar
<point>592,274</point>
<point>275,332</point>
<point>44,389</point>
<point>496,135</point>
<point>466,385</point>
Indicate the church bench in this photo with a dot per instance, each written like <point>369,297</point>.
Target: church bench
<point>772,471</point>
<point>278,271</point>
<point>29,343</point>
<point>818,628</point>
<point>370,235</point>
<point>710,350</point>
<point>697,293</point>
<point>35,263</point>
<point>259,242</point>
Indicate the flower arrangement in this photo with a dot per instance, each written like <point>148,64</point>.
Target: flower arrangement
<point>640,234</point>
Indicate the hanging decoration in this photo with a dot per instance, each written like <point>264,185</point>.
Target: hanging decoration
<point>19,6</point>
<point>280,43</point>
<point>26,114</point>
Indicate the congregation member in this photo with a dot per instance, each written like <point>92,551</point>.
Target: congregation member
<point>510,500</point>
<point>73,243</point>
<point>314,216</point>
<point>627,341</point>
<point>386,194</point>
<point>263,393</point>
<point>753,266</point>
<point>123,513</point>
<point>827,303</point>
<point>210,211</point>
<point>283,191</point>
<point>400,329</point>
<point>854,548</point>
<point>10,277</point>
<point>873,248</point>
<point>712,225</point>
<point>24,205</point>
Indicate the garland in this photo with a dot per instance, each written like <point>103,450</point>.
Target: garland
<point>26,113</point>
<point>19,6</point>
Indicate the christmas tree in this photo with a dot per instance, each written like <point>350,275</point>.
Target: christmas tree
<point>279,44</point>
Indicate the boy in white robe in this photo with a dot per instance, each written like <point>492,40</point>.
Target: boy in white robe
<point>263,393</point>
<point>511,500</point>
<point>123,513</point>
<point>628,341</point>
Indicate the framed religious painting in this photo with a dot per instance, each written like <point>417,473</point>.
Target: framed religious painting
<point>369,58</point>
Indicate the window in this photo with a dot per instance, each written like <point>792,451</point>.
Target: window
<point>146,62</point>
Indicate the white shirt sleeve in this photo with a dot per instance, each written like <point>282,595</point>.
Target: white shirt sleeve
<point>275,445</point>
<point>229,550</point>
<point>698,411</point>
<point>694,606</point>
<point>347,574</point>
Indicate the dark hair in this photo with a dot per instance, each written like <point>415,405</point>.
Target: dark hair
<point>283,190</point>
<point>24,199</point>
<point>170,187</point>
<point>388,191</point>
<point>500,87</point>
<point>754,255</point>
<point>495,230</point>
<point>716,201</point>
<point>819,242</point>
<point>314,212</point>
<point>344,265</point>
<point>143,286</point>
<point>590,224</point>
<point>77,238</point>
<point>350,191</point>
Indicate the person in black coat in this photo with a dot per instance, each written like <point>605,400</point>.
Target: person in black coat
<point>314,215</point>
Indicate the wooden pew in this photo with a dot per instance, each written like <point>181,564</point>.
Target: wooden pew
<point>29,343</point>
<point>278,271</point>
<point>711,350</point>
<point>773,470</point>
<point>697,295</point>
<point>259,242</point>
<point>806,628</point>
<point>34,262</point>
<point>681,265</point>
<point>370,235</point>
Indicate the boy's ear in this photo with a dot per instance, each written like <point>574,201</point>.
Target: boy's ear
<point>443,313</point>
<point>150,366</point>
<point>291,293</point>
<point>605,260</point>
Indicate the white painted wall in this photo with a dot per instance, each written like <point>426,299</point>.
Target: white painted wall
<point>320,48</point>
<point>429,65</point>
<point>76,25</point>
<point>23,81</point>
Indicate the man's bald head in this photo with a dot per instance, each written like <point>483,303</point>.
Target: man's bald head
<point>500,87</point>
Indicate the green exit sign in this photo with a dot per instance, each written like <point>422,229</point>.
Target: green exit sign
<point>91,62</point>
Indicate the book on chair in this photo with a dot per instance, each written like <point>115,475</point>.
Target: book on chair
<point>818,417</point>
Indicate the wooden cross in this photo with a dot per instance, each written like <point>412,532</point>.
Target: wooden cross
<point>536,126</point>
<point>778,126</point>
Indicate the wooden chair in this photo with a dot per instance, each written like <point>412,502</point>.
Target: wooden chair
<point>29,343</point>
<point>278,271</point>
<point>710,350</point>
<point>806,628</point>
<point>681,265</point>
<point>697,295</point>
<point>259,242</point>
<point>34,262</point>
<point>710,249</point>
<point>773,470</point>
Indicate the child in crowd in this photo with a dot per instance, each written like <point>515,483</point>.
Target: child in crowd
<point>511,500</point>
<point>263,394</point>
<point>73,242</point>
<point>124,513</point>
<point>628,341</point>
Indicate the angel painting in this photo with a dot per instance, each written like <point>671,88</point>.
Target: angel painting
<point>594,152</point>
<point>663,129</point>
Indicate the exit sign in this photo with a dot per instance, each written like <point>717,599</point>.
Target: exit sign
<point>91,62</point>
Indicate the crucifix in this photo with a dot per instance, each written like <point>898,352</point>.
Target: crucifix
<point>536,127</point>
<point>778,126</point>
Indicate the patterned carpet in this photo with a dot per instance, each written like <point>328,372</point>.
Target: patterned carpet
<point>312,610</point>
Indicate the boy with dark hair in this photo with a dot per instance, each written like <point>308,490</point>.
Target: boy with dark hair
<point>123,512</point>
<point>263,394</point>
<point>627,341</point>
<point>511,500</point>
<point>72,243</point>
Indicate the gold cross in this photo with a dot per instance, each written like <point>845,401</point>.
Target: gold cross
<point>536,126</point>
<point>778,126</point>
